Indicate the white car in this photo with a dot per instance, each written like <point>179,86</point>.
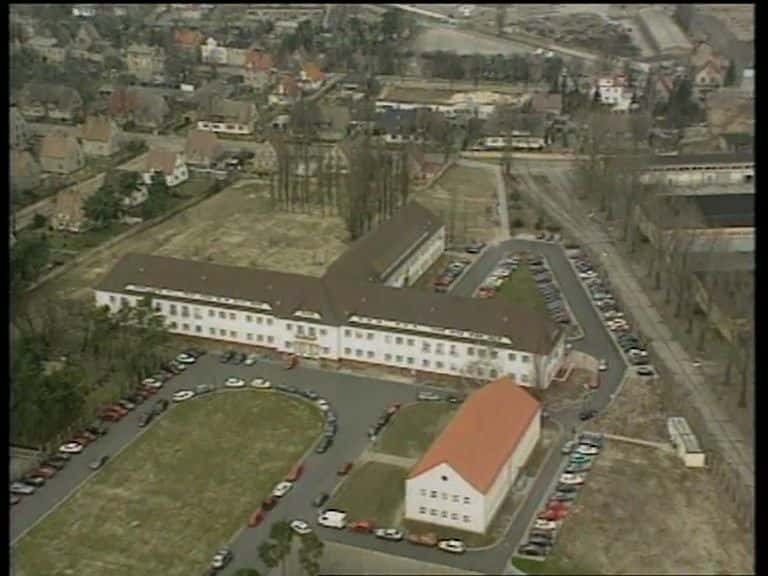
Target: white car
<point>260,383</point>
<point>152,383</point>
<point>603,366</point>
<point>455,546</point>
<point>587,275</point>
<point>251,359</point>
<point>234,382</point>
<point>388,534</point>
<point>71,448</point>
<point>572,478</point>
<point>545,525</point>
<point>185,359</point>
<point>182,395</point>
<point>221,558</point>
<point>323,404</point>
<point>300,527</point>
<point>587,450</point>
<point>21,488</point>
<point>428,396</point>
<point>282,489</point>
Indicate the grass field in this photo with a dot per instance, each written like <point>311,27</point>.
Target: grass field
<point>178,493</point>
<point>414,428</point>
<point>374,492</point>
<point>662,518</point>
<point>521,289</point>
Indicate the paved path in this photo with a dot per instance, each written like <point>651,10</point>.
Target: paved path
<point>639,442</point>
<point>558,201</point>
<point>403,462</point>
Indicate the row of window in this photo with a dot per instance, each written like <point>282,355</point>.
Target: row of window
<point>221,332</point>
<point>444,514</point>
<point>445,496</point>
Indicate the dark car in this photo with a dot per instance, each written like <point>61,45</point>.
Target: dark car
<point>566,487</point>
<point>160,406</point>
<point>325,443</point>
<point>320,499</point>
<point>238,358</point>
<point>564,496</point>
<point>97,429</point>
<point>98,463</point>
<point>330,417</point>
<point>330,430</point>
<point>145,419</point>
<point>383,420</point>
<point>292,390</point>
<point>135,398</point>
<point>585,415</point>
<point>311,394</point>
<point>34,480</point>
<point>531,550</point>
<point>195,352</point>
<point>540,541</point>
<point>455,399</point>
<point>475,247</point>
<point>227,356</point>
<point>55,463</point>
<point>282,387</point>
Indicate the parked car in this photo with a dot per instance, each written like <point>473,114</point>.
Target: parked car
<point>361,526</point>
<point>561,487</point>
<point>15,499</point>
<point>152,382</point>
<point>256,518</point>
<point>388,534</point>
<point>545,525</point>
<point>46,471</point>
<point>221,558</point>
<point>202,389</point>
<point>295,473</point>
<point>455,399</point>
<point>429,539</point>
<point>251,359</point>
<point>23,489</point>
<point>587,449</point>
<point>475,247</point>
<point>300,527</point>
<point>282,489</point>
<point>55,463</point>
<point>227,356</point>
<point>568,447</point>
<point>99,462</point>
<point>603,365</point>
<point>238,358</point>
<point>564,496</point>
<point>320,499</point>
<point>310,394</point>
<point>393,408</point>
<point>325,443</point>
<point>34,480</point>
<point>269,503</point>
<point>428,396</point>
<point>531,550</point>
<point>330,429</point>
<point>71,448</point>
<point>577,468</point>
<point>185,358</point>
<point>233,382</point>
<point>645,371</point>
<point>160,406</point>
<point>454,546</point>
<point>587,414</point>
<point>261,383</point>
<point>323,404</point>
<point>146,418</point>
<point>182,395</point>
<point>345,468</point>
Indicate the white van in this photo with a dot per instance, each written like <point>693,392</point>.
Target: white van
<point>333,519</point>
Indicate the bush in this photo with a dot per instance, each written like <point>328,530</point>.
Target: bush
<point>514,196</point>
<point>553,228</point>
<point>518,223</point>
<point>39,221</point>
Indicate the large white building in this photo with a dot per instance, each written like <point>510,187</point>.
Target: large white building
<point>701,169</point>
<point>465,475</point>
<point>356,313</point>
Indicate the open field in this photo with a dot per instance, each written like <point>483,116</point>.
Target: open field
<point>237,227</point>
<point>638,412</point>
<point>178,493</point>
<point>414,428</point>
<point>475,203</point>
<point>658,516</point>
<point>374,492</point>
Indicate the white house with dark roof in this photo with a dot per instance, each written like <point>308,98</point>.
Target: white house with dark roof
<point>172,165</point>
<point>350,314</point>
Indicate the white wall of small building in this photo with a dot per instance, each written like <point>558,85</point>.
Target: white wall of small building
<point>224,127</point>
<point>694,175</point>
<point>441,496</point>
<point>420,261</point>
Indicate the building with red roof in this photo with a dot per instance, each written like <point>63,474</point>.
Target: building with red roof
<point>466,473</point>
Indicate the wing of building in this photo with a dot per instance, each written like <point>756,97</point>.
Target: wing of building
<point>355,313</point>
<point>465,475</point>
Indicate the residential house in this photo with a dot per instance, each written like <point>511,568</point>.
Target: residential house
<point>265,160</point>
<point>18,130</point>
<point>48,48</point>
<point>227,116</point>
<point>68,213</point>
<point>61,154</point>
<point>136,197</point>
<point>145,62</point>
<point>171,165</point>
<point>338,158</point>
<point>212,53</point>
<point>616,93</point>
<point>465,475</point>
<point>237,52</point>
<point>354,85</point>
<point>188,39</point>
<point>101,136</point>
<point>708,77</point>
<point>258,68</point>
<point>87,37</point>
<point>39,101</point>
<point>202,148</point>
<point>397,126</point>
<point>25,171</point>
<point>548,103</point>
<point>333,123</point>
<point>286,92</point>
<point>137,106</point>
<point>312,77</point>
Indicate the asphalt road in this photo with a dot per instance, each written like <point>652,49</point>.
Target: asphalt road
<point>358,401</point>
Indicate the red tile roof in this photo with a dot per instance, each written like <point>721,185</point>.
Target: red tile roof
<point>188,37</point>
<point>259,60</point>
<point>313,72</point>
<point>483,434</point>
<point>161,160</point>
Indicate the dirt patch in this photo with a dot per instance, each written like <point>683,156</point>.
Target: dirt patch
<point>660,518</point>
<point>568,393</point>
<point>235,227</point>
<point>638,412</point>
<point>472,192</point>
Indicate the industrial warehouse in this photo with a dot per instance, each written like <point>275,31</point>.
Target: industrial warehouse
<point>356,312</point>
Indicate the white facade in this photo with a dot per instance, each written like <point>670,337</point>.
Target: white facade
<point>212,53</point>
<point>412,266</point>
<point>225,127</point>
<point>180,173</point>
<point>441,496</point>
<point>696,174</point>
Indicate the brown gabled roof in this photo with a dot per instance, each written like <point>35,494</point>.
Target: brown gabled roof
<point>259,60</point>
<point>161,160</point>
<point>485,431</point>
<point>56,145</point>
<point>22,164</point>
<point>98,128</point>
<point>289,85</point>
<point>313,72</point>
<point>187,37</point>
<point>202,145</point>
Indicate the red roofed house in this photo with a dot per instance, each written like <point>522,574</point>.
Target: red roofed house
<point>258,67</point>
<point>311,76</point>
<point>171,164</point>
<point>286,92</point>
<point>188,39</point>
<point>465,475</point>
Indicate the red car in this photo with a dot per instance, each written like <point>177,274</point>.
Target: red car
<point>557,505</point>
<point>361,527</point>
<point>429,539</point>
<point>296,473</point>
<point>293,361</point>
<point>45,472</point>
<point>345,468</point>
<point>553,514</point>
<point>144,392</point>
<point>256,518</point>
<point>269,503</point>
<point>111,416</point>
<point>117,408</point>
